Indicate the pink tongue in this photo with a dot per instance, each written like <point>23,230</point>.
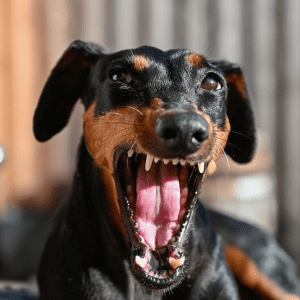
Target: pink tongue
<point>158,203</point>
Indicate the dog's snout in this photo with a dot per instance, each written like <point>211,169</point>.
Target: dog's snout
<point>182,132</point>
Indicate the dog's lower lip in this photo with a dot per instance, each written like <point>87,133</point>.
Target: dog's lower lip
<point>161,283</point>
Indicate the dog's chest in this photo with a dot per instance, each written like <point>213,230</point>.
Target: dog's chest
<point>141,293</point>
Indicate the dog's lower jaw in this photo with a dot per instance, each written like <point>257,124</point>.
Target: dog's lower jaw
<point>167,255</point>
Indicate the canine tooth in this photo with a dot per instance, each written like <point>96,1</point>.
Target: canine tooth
<point>142,239</point>
<point>175,161</point>
<point>140,261</point>
<point>175,263</point>
<point>149,161</point>
<point>166,161</point>
<point>201,167</point>
<point>156,159</point>
<point>182,161</point>
<point>130,153</point>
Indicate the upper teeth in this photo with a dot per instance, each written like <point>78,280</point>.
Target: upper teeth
<point>150,158</point>
<point>175,161</point>
<point>201,167</point>
<point>149,161</point>
<point>182,161</point>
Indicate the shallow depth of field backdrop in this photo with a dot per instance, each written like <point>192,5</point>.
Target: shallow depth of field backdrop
<point>261,35</point>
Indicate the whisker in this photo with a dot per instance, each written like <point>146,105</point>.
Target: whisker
<point>239,149</point>
<point>225,157</point>
<point>124,115</point>
<point>229,131</point>
<point>136,110</point>
<point>242,135</point>
<point>222,139</point>
<point>113,123</point>
<point>118,114</point>
<point>208,49</point>
<point>63,121</point>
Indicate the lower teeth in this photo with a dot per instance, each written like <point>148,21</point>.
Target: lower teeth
<point>140,261</point>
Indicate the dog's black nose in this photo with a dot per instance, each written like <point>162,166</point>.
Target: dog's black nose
<point>182,132</point>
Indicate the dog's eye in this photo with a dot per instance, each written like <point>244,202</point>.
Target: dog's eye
<point>121,76</point>
<point>210,83</point>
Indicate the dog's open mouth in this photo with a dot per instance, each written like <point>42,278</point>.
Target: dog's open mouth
<point>158,201</point>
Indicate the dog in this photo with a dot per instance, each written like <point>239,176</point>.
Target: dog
<point>133,226</point>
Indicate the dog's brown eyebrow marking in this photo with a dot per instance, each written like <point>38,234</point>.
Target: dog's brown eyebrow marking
<point>195,60</point>
<point>140,63</point>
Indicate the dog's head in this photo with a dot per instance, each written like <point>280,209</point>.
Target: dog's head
<point>155,123</point>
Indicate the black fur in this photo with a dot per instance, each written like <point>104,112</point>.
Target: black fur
<point>86,256</point>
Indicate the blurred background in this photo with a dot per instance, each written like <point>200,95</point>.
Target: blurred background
<point>262,35</point>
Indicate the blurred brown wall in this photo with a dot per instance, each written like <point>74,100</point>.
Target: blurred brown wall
<point>21,75</point>
<point>263,36</point>
<point>29,175</point>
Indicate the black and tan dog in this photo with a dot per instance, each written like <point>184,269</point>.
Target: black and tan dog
<point>133,226</point>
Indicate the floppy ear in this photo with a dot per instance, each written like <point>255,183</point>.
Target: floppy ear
<point>242,138</point>
<point>63,88</point>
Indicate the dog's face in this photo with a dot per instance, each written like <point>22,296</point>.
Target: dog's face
<point>155,123</point>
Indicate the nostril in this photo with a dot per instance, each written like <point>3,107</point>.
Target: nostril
<point>199,137</point>
<point>168,134</point>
